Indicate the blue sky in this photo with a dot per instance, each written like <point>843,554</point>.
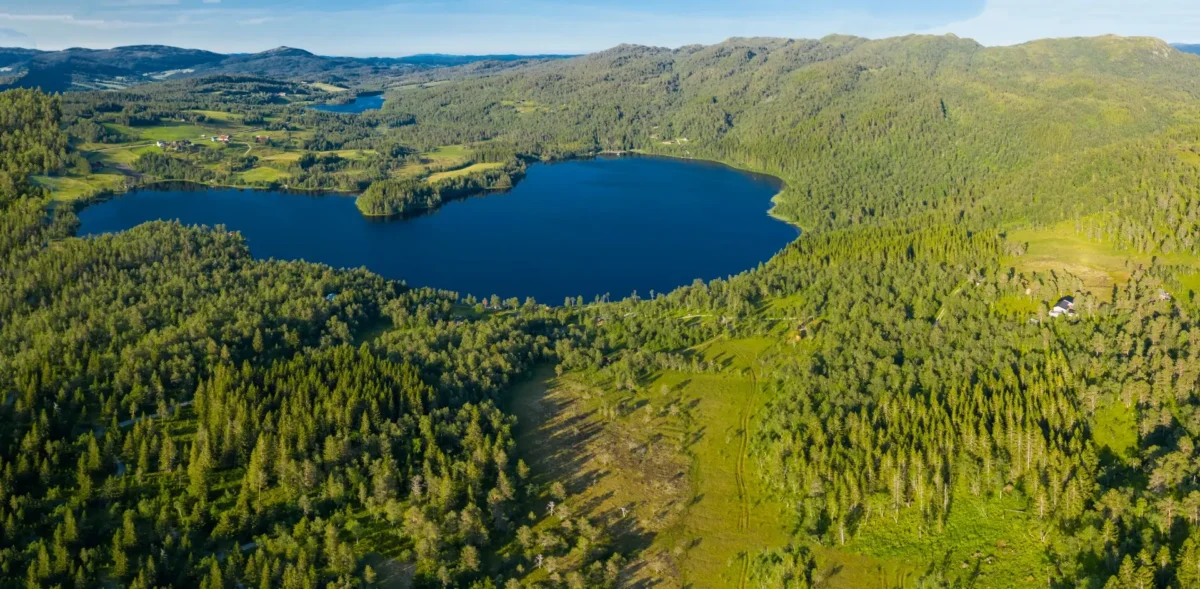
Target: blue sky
<point>404,27</point>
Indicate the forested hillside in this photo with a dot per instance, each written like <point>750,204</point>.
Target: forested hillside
<point>890,401</point>
<point>79,68</point>
<point>871,132</point>
<point>170,401</point>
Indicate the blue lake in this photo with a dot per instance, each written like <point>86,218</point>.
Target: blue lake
<point>358,105</point>
<point>578,228</point>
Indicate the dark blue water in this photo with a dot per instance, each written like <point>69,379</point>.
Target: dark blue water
<point>586,227</point>
<point>360,104</point>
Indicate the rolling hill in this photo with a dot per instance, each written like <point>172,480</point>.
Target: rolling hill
<point>119,67</point>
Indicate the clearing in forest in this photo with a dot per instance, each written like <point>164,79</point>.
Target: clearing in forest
<point>464,171</point>
<point>327,87</point>
<point>264,174</point>
<point>1099,265</point>
<point>608,457</point>
<point>70,188</point>
<point>673,452</point>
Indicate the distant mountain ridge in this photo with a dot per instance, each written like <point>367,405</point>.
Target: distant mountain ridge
<point>1187,47</point>
<point>79,68</point>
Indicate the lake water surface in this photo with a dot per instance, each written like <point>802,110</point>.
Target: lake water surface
<point>358,105</point>
<point>578,228</point>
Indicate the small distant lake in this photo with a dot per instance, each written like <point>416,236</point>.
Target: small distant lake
<point>358,105</point>
<point>577,228</point>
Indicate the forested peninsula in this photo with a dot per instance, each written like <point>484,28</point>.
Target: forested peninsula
<point>975,367</point>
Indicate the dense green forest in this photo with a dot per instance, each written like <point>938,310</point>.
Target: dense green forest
<point>182,414</point>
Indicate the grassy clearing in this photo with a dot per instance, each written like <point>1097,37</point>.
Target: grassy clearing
<point>77,188</point>
<point>673,452</point>
<point>524,106</point>
<point>264,174</point>
<point>1098,264</point>
<point>119,157</point>
<point>283,156</point>
<point>327,87</point>
<point>730,516</point>
<point>1190,283</point>
<point>464,171</point>
<point>783,306</point>
<point>606,448</point>
<point>169,131</point>
<point>1060,249</point>
<point>840,569</point>
<point>350,154</point>
<point>1017,305</point>
<point>1114,426</point>
<point>218,115</point>
<point>1189,157</point>
<point>985,543</point>
<point>447,155</point>
<point>442,158</point>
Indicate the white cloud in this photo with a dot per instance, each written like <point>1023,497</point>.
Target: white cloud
<point>211,1</point>
<point>51,18</point>
<point>1007,22</point>
<point>134,3</point>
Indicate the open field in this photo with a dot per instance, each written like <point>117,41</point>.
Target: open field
<point>730,518</point>
<point>1097,264</point>
<point>327,87</point>
<point>69,188</point>
<point>120,156</point>
<point>464,171</point>
<point>448,157</point>
<point>167,131</point>
<point>283,156</point>
<point>264,174</point>
<point>219,115</point>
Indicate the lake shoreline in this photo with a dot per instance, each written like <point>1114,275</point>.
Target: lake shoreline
<point>782,184</point>
<point>609,226</point>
